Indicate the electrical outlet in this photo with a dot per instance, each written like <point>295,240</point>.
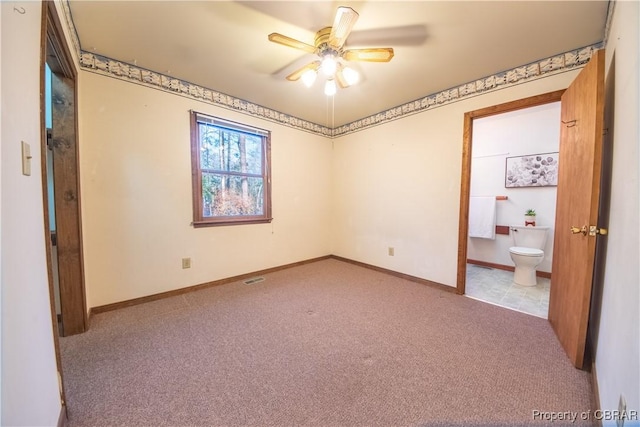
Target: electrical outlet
<point>186,262</point>
<point>622,411</point>
<point>392,251</point>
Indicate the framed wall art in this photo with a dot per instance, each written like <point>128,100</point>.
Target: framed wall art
<point>533,170</point>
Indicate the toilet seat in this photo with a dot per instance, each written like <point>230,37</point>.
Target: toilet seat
<point>519,250</point>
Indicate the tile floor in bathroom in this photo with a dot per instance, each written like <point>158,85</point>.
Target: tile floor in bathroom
<point>497,287</point>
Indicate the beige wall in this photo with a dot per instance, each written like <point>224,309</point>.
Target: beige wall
<point>136,196</point>
<point>29,375</point>
<point>398,185</point>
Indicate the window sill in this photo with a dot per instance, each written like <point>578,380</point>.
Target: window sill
<point>220,223</point>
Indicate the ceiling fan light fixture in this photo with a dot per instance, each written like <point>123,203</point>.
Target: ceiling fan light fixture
<point>309,77</point>
<point>329,65</point>
<point>351,76</point>
<point>330,87</point>
<point>329,46</point>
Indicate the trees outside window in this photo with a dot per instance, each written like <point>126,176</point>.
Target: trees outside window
<point>231,172</point>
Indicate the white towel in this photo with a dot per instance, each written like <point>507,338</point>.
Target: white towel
<point>482,217</point>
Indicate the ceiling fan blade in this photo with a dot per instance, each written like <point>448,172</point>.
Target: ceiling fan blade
<point>342,82</point>
<point>342,25</point>
<point>408,35</point>
<point>283,71</point>
<point>378,54</point>
<point>288,41</point>
<point>300,71</point>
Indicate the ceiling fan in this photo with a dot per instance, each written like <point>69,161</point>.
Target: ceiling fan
<point>329,46</point>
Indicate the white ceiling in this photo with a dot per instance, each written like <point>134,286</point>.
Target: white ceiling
<point>222,45</point>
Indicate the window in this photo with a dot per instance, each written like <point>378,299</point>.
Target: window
<point>231,172</point>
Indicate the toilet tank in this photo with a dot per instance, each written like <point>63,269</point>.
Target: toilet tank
<point>529,237</point>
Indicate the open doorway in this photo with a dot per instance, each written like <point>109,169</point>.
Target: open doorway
<point>494,137</point>
<point>513,172</point>
<point>577,201</point>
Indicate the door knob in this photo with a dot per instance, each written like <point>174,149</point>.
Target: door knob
<point>593,230</point>
<point>576,230</point>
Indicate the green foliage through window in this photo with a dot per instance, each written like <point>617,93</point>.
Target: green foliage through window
<point>231,172</point>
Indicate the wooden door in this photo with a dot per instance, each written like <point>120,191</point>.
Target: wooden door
<point>66,185</point>
<point>66,191</point>
<point>582,115</point>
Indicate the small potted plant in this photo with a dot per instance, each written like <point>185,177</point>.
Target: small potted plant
<point>530,217</point>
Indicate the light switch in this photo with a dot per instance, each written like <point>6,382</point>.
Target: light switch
<point>26,159</point>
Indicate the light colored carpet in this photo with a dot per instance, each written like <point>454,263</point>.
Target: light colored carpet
<point>323,344</point>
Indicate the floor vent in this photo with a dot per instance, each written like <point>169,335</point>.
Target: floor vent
<point>253,280</point>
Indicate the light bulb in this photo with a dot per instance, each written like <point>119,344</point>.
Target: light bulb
<point>329,65</point>
<point>350,75</point>
<point>308,77</point>
<point>330,87</point>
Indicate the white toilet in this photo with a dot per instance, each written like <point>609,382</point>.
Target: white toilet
<point>527,252</point>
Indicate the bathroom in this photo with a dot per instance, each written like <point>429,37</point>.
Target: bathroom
<point>503,150</point>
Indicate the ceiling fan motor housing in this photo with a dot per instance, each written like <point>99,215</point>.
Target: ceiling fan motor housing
<point>322,43</point>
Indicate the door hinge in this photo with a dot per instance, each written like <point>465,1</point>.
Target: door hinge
<point>61,389</point>
<point>49,138</point>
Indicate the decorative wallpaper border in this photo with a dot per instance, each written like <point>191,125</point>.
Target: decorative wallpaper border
<point>128,72</point>
<point>544,68</point>
<point>124,71</point>
<point>68,19</point>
